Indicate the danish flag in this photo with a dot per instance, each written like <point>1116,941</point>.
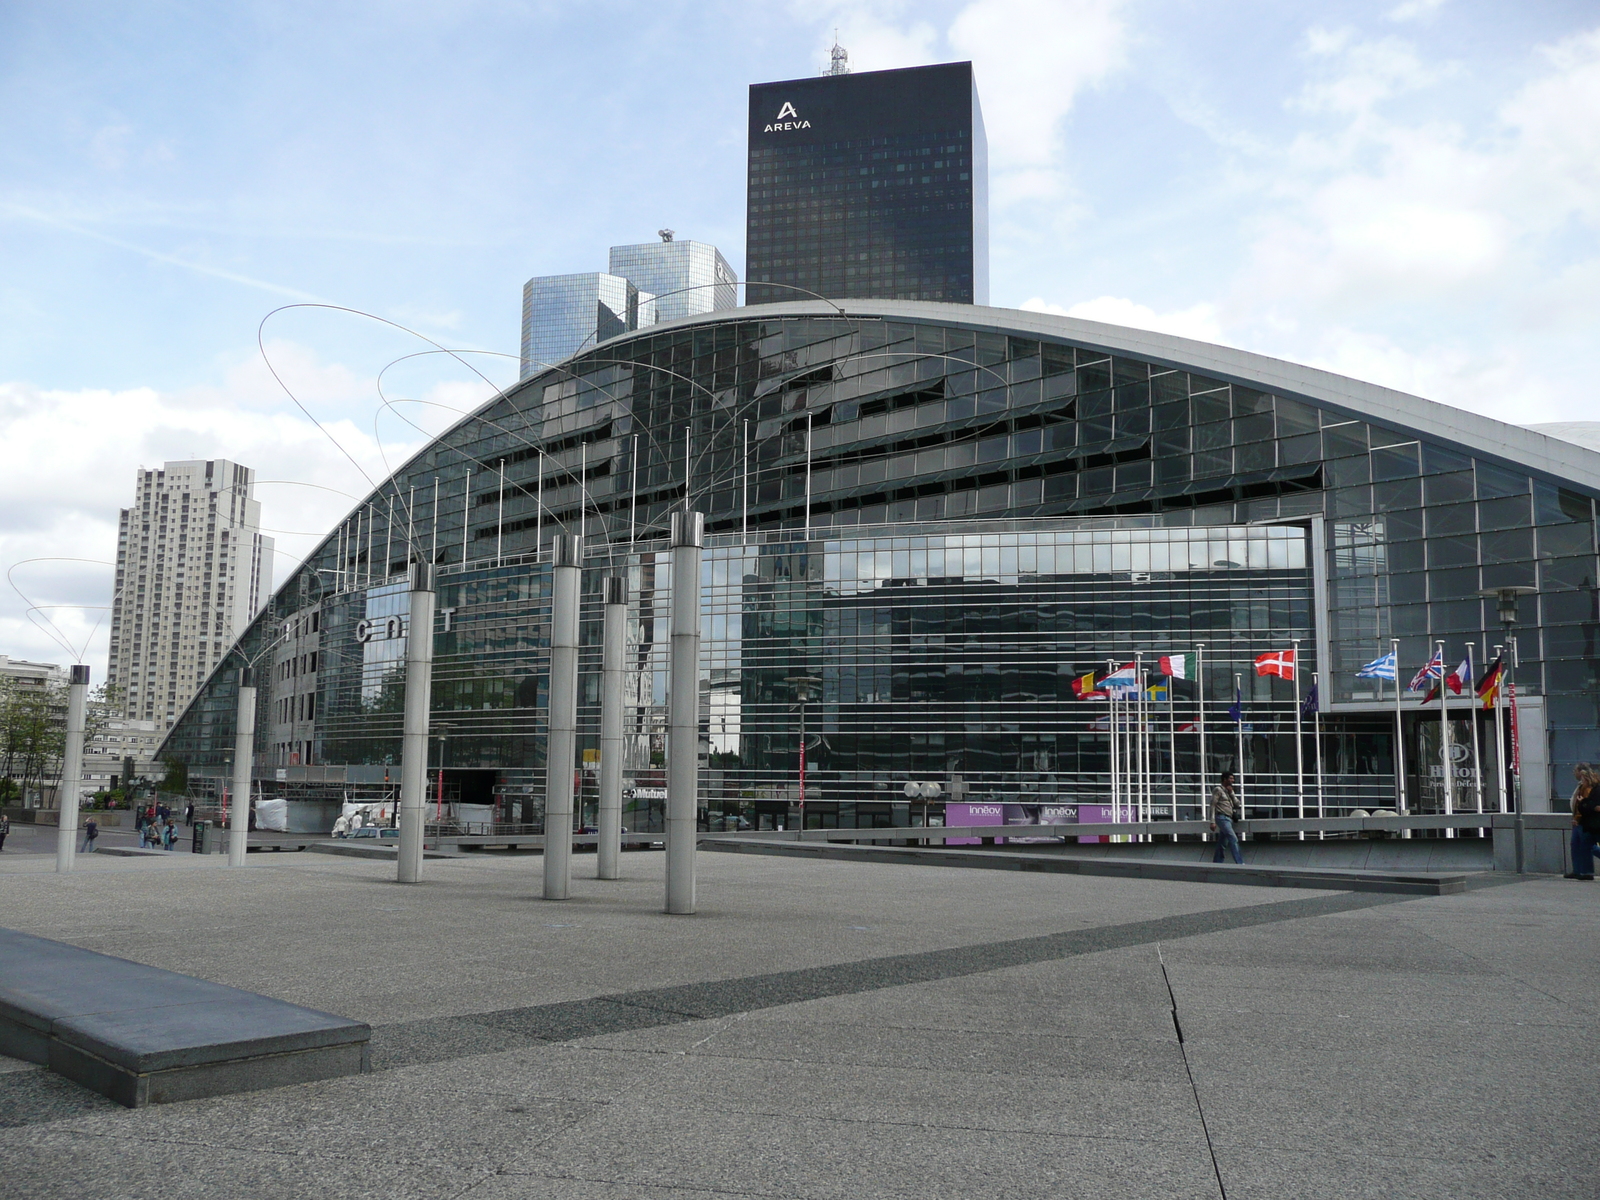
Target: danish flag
<point>1279,663</point>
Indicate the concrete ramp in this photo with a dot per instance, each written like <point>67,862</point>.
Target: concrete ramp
<point>141,1035</point>
<point>1343,879</point>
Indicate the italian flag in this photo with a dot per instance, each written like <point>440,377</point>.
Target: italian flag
<point>1178,666</point>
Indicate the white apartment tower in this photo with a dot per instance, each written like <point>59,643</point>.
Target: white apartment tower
<point>192,569</point>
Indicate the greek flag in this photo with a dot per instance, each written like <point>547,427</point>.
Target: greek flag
<point>1379,668</point>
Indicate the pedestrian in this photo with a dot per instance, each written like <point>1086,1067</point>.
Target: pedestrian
<point>1225,810</point>
<point>169,835</point>
<point>91,830</point>
<point>5,828</point>
<point>1585,822</point>
<point>188,813</point>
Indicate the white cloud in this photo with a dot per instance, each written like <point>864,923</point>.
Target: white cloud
<point>1426,254</point>
<point>1414,10</point>
<point>1200,321</point>
<point>1032,59</point>
<point>71,458</point>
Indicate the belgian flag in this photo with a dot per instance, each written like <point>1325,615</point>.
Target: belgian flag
<point>1084,688</point>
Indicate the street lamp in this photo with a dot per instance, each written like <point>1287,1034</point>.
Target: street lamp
<point>924,791</point>
<point>444,730</point>
<point>802,690</point>
<point>1506,599</point>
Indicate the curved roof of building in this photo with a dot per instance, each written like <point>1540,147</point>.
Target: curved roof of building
<point>1518,444</point>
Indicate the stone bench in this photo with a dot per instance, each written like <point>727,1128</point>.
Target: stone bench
<point>142,1035</point>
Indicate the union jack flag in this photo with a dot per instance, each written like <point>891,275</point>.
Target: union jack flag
<point>1433,669</point>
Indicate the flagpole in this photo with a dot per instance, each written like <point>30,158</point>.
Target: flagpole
<point>1500,736</point>
<point>1471,684</point>
<point>1299,741</point>
<point>1394,648</point>
<point>1316,725</point>
<point>1172,743</point>
<point>1238,698</point>
<point>1200,683</point>
<point>1444,742</point>
<point>1111,705</point>
<point>1137,754</point>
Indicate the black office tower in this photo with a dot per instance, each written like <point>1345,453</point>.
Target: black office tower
<point>869,186</point>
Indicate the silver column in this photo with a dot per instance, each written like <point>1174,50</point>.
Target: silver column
<point>683,711</point>
<point>72,770</point>
<point>414,746</point>
<point>560,745</point>
<point>612,654</point>
<point>244,751</point>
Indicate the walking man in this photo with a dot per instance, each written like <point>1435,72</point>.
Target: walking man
<point>91,830</point>
<point>1225,810</point>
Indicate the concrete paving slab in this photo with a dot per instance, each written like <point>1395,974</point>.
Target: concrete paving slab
<point>716,1150</point>
<point>983,1076</point>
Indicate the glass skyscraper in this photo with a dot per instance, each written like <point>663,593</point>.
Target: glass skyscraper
<point>563,314</point>
<point>686,278</point>
<point>872,185</point>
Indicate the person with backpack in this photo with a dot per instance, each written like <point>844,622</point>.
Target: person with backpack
<point>1585,822</point>
<point>91,830</point>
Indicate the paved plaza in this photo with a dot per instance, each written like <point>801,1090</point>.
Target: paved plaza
<point>840,1029</point>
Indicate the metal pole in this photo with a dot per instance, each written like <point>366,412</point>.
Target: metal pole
<point>1399,731</point>
<point>1238,695</point>
<point>433,542</point>
<point>1472,715</point>
<point>371,513</point>
<point>71,770</point>
<point>612,654</point>
<point>1200,684</point>
<point>244,753</point>
<point>1499,734</point>
<point>1172,744</point>
<point>1111,730</point>
<point>538,512</point>
<point>1444,741</point>
<point>388,538</point>
<point>414,745</point>
<point>1299,743</point>
<point>560,746</point>
<point>500,515</point>
<point>1316,732</point>
<point>745,526</point>
<point>683,710</point>
<point>466,517</point>
<point>808,475</point>
<point>633,493</point>
<point>583,488</point>
<point>411,526</point>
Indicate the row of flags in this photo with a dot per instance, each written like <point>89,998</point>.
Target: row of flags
<point>1094,686</point>
<point>1486,689</point>
<point>1123,681</point>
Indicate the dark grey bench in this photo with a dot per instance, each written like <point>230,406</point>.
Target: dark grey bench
<point>141,1035</point>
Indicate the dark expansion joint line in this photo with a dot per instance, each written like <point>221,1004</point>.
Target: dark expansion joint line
<point>1177,1025</point>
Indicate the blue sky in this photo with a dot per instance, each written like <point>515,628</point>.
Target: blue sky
<point>1406,191</point>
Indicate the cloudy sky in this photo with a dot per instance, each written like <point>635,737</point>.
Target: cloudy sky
<point>1406,191</point>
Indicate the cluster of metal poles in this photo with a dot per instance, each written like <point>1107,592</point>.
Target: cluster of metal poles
<point>683,750</point>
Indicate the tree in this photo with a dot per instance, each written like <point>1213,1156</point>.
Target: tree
<point>33,731</point>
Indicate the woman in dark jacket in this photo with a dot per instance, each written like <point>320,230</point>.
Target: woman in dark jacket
<point>1585,822</point>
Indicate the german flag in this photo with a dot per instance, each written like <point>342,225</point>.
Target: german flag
<point>1083,687</point>
<point>1488,688</point>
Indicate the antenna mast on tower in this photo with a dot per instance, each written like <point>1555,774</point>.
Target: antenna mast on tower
<point>841,58</point>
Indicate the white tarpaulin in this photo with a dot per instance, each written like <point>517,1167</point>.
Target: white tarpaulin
<point>272,814</point>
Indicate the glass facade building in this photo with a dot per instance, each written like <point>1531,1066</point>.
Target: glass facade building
<point>561,314</point>
<point>868,185</point>
<point>686,278</point>
<point>942,516</point>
